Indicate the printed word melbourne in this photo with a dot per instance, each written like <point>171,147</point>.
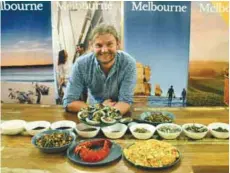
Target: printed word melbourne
<point>4,6</point>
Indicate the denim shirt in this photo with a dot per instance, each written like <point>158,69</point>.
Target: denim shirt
<point>87,74</point>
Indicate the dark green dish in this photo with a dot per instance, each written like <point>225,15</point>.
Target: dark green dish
<point>141,117</point>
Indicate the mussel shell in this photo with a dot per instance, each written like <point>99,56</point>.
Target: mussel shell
<point>82,114</point>
<point>126,120</point>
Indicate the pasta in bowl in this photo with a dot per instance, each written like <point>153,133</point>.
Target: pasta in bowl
<point>152,154</point>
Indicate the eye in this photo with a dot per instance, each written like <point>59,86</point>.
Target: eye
<point>110,44</point>
<point>98,45</point>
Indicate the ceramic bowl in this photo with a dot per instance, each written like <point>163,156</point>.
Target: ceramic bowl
<point>35,127</point>
<point>63,125</point>
<point>53,149</point>
<point>145,135</point>
<point>81,127</point>
<point>221,135</point>
<point>12,127</point>
<point>114,131</point>
<point>194,135</point>
<point>167,134</point>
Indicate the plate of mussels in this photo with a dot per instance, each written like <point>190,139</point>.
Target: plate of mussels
<point>99,115</point>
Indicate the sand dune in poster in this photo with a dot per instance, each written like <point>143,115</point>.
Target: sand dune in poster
<point>209,53</point>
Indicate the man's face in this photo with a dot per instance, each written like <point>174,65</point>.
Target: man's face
<point>105,47</point>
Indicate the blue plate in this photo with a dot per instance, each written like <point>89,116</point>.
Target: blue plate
<point>52,149</point>
<point>153,168</point>
<point>142,117</point>
<point>115,154</point>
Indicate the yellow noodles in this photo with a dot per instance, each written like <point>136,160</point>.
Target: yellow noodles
<point>151,153</point>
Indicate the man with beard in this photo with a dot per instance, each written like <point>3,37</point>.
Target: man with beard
<point>107,74</point>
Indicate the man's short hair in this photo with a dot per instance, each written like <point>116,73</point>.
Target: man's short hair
<point>104,29</point>
<point>81,45</point>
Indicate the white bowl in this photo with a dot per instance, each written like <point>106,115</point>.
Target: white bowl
<point>60,125</point>
<point>147,135</point>
<point>168,135</point>
<point>194,135</point>
<point>119,129</point>
<point>31,125</point>
<point>12,127</point>
<point>221,135</point>
<point>86,134</point>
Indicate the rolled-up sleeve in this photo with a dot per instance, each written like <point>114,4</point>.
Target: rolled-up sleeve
<point>128,83</point>
<point>75,85</point>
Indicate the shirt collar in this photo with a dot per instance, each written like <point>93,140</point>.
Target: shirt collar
<point>113,69</point>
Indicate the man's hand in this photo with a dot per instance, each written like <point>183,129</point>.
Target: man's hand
<point>109,103</point>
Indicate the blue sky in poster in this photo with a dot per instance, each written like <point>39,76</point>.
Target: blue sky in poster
<point>26,35</point>
<point>161,41</point>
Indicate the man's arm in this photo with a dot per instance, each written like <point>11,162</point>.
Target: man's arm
<point>75,86</point>
<point>126,92</point>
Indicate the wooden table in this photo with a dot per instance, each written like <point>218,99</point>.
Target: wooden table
<point>18,155</point>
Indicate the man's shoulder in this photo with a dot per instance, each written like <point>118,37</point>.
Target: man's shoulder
<point>125,57</point>
<point>85,58</point>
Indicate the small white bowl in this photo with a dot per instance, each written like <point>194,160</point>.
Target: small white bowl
<point>114,131</point>
<point>194,135</point>
<point>34,124</point>
<point>168,135</point>
<point>86,134</point>
<point>60,125</point>
<point>221,135</point>
<point>147,135</point>
<point>12,127</point>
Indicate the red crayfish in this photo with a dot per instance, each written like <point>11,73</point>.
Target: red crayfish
<point>88,154</point>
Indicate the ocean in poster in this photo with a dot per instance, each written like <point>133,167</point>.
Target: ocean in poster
<point>154,101</point>
<point>28,74</point>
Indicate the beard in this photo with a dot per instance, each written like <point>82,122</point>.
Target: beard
<point>104,61</point>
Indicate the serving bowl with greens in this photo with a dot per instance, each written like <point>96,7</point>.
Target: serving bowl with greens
<point>219,130</point>
<point>156,117</point>
<point>195,130</point>
<point>169,130</point>
<point>53,141</point>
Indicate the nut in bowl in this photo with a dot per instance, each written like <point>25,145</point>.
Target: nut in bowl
<point>169,130</point>
<point>12,127</point>
<point>142,130</point>
<point>87,131</point>
<point>53,141</point>
<point>219,130</point>
<point>114,131</point>
<point>63,125</point>
<point>195,130</point>
<point>35,127</point>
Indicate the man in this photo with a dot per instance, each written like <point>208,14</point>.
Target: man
<point>107,74</point>
<point>170,95</point>
<point>80,50</point>
<point>183,95</point>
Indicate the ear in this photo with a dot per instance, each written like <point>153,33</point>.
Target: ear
<point>118,45</point>
<point>91,44</point>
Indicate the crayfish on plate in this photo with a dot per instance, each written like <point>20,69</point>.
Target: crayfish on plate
<point>88,154</point>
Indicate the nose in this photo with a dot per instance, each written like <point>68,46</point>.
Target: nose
<point>104,49</point>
